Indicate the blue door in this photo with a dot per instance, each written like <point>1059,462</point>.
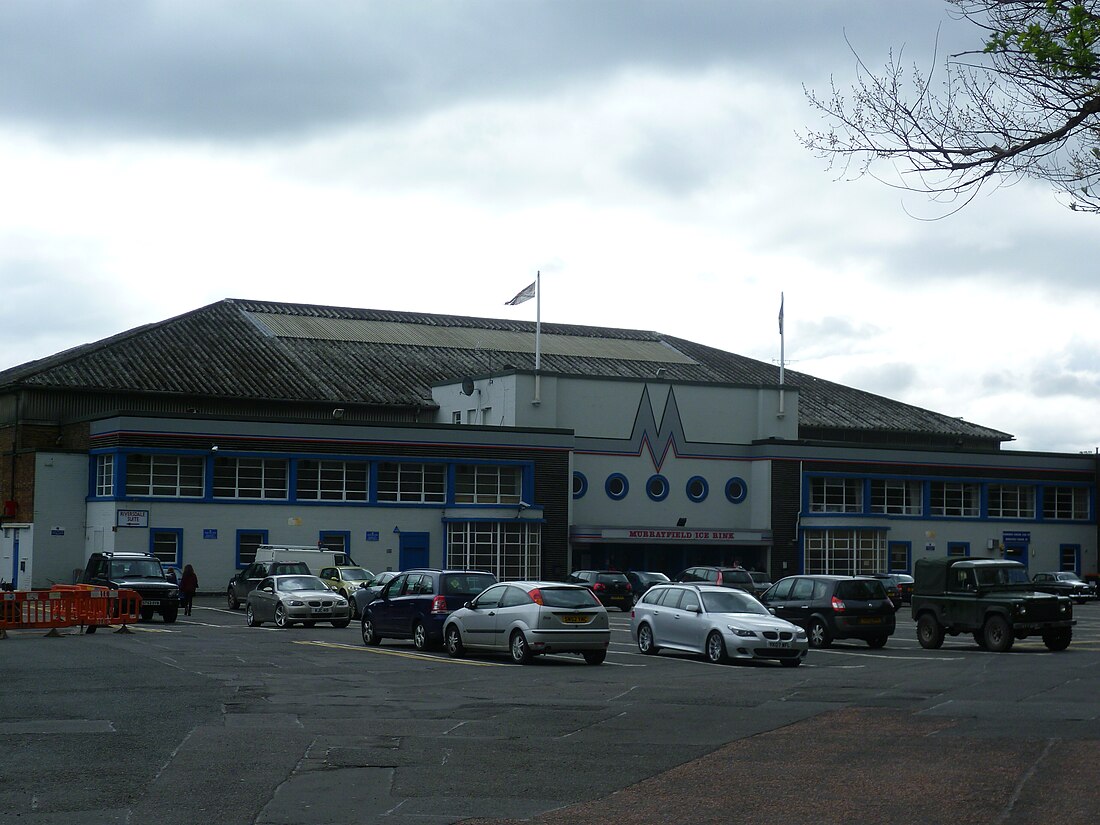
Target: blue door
<point>413,551</point>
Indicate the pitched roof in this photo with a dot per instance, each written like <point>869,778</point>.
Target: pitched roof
<point>258,350</point>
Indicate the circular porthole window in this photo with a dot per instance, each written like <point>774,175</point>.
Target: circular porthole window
<point>657,488</point>
<point>736,490</point>
<point>616,486</point>
<point>697,488</point>
<point>580,485</point>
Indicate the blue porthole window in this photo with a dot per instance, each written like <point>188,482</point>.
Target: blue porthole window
<point>697,488</point>
<point>616,486</point>
<point>657,488</point>
<point>736,490</point>
<point>580,485</point>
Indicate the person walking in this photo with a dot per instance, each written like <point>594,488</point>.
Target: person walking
<point>189,583</point>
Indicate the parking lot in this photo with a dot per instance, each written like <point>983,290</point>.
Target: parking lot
<point>207,719</point>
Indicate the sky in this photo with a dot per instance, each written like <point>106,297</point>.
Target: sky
<point>433,155</point>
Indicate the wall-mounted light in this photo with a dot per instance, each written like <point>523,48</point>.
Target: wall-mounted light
<point>338,413</point>
<point>213,448</point>
<point>682,521</point>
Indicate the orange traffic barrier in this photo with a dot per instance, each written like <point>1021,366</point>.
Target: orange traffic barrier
<point>68,605</point>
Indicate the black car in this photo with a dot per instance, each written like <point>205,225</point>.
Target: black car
<point>611,587</point>
<point>141,572</point>
<point>236,592</point>
<point>760,582</point>
<point>641,581</point>
<point>834,607</point>
<point>369,590</point>
<point>1064,583</point>
<point>721,576</point>
<point>415,604</point>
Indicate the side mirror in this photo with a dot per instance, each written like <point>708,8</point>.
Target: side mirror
<point>469,606</point>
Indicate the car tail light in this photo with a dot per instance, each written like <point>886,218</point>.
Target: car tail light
<point>439,605</point>
<point>599,587</point>
<point>628,587</point>
<point>536,596</point>
<point>838,605</point>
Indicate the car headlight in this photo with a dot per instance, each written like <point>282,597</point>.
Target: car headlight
<point>800,633</point>
<point>173,593</point>
<point>341,602</point>
<point>296,603</point>
<point>740,631</point>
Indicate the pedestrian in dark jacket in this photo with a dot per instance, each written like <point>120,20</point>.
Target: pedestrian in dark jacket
<point>189,583</point>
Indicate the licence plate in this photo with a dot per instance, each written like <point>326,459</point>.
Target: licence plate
<point>319,610</point>
<point>576,619</point>
<point>871,620</point>
<point>779,644</point>
<point>151,602</point>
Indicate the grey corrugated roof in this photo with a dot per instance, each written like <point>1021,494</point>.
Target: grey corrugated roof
<point>246,349</point>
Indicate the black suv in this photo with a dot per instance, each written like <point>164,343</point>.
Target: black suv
<point>721,576</point>
<point>611,587</point>
<point>415,604</point>
<point>136,571</point>
<point>246,581</point>
<point>834,607</point>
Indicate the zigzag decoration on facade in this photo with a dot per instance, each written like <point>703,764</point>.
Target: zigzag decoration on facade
<point>645,434</point>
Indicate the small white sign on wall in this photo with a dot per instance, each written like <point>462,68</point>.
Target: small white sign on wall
<point>133,518</point>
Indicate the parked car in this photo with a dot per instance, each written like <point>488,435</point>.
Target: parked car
<point>890,583</point>
<point>611,587</point>
<point>530,618</point>
<point>141,572</point>
<point>717,622</point>
<point>641,581</point>
<point>760,581</point>
<point>345,581</point>
<point>415,604</point>
<point>286,600</point>
<point>1064,583</point>
<point>368,591</point>
<point>834,607</point>
<point>246,580</point>
<point>721,576</point>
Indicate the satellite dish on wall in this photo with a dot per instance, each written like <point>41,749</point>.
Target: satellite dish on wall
<point>467,386</point>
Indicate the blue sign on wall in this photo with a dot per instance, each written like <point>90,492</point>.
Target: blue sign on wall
<point>210,533</point>
<point>372,535</point>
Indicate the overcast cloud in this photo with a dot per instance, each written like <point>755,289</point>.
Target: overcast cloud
<point>431,156</point>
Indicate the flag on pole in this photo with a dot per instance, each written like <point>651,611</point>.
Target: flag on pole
<point>780,313</point>
<point>525,294</point>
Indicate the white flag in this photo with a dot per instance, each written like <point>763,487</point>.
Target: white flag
<point>525,294</point>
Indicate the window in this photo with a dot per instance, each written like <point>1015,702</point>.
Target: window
<point>456,417</point>
<point>736,490</point>
<point>174,476</point>
<point>616,486</point>
<point>105,475</point>
<point>260,478</point>
<point>1069,557</point>
<point>332,480</point>
<point>1066,503</point>
<point>166,545</point>
<point>953,498</point>
<point>580,485</point>
<point>845,552</point>
<point>899,552</point>
<point>836,495</point>
<point>487,484</point>
<point>897,497</point>
<point>697,488</point>
<point>657,488</point>
<point>411,483</point>
<point>247,542</point>
<point>959,549</point>
<point>334,541</point>
<point>508,550</point>
<point>487,415</point>
<point>1011,501</point>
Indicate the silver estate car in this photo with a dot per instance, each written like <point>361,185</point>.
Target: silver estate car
<point>527,619</point>
<point>718,622</point>
<point>285,600</point>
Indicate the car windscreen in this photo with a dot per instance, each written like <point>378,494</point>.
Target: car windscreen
<point>736,576</point>
<point>356,574</point>
<point>612,578</point>
<point>136,569</point>
<point>572,598</point>
<point>282,568</point>
<point>732,601</point>
<point>652,578</point>
<point>860,589</point>
<point>292,584</point>
<point>991,576</point>
<point>466,584</point>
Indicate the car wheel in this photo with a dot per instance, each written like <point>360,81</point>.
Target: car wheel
<point>877,641</point>
<point>147,614</point>
<point>998,634</point>
<point>819,634</point>
<point>646,644</point>
<point>352,606</point>
<point>281,619</point>
<point>929,632</point>
<point>790,662</point>
<point>594,657</point>
<point>1058,639</point>
<point>420,636</point>
<point>170,614</point>
<point>452,640</point>
<point>517,646</point>
<point>231,599</point>
<point>716,648</point>
<point>341,623</point>
<point>370,636</point>
<point>250,617</point>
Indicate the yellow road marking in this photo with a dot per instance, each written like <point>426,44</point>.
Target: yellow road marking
<point>402,653</point>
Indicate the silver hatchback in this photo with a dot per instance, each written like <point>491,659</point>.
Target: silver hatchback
<point>526,619</point>
<point>717,622</point>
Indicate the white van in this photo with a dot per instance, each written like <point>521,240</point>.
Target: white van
<point>314,557</point>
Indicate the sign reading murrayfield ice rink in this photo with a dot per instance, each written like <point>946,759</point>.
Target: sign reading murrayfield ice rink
<point>674,534</point>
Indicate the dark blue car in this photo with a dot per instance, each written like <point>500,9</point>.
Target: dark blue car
<point>415,604</point>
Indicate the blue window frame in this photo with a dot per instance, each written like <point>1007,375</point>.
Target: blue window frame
<point>166,543</point>
<point>657,487</point>
<point>580,485</point>
<point>246,544</point>
<point>616,486</point>
<point>736,490</point>
<point>697,488</point>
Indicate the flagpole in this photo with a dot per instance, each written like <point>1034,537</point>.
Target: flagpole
<point>781,412</point>
<point>538,336</point>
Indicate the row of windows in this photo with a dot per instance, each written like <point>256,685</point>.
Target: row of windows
<point>657,488</point>
<point>174,476</point>
<point>953,499</point>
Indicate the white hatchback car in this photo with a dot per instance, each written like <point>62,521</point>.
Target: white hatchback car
<point>718,622</point>
<point>526,619</point>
